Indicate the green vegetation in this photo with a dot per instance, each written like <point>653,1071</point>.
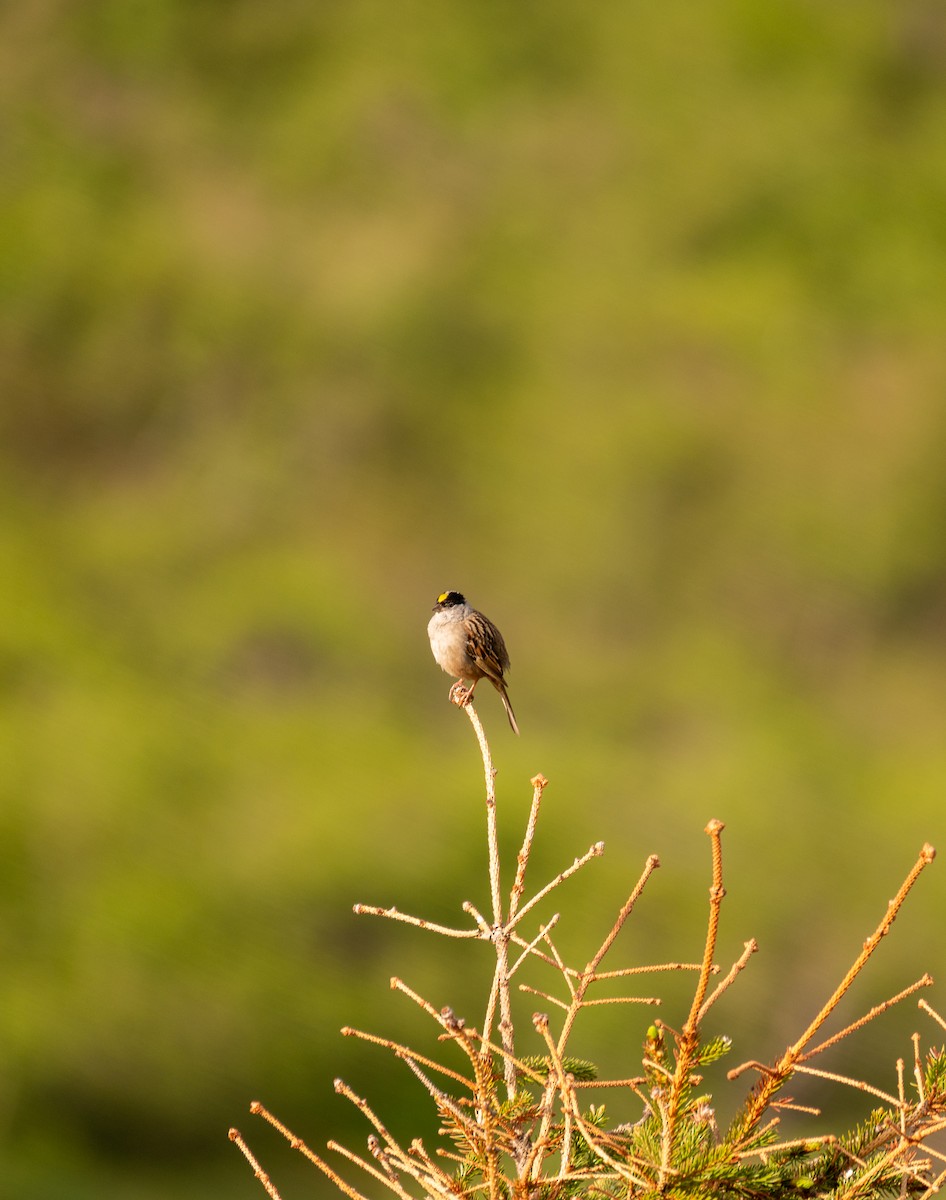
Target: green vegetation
<point>628,322</point>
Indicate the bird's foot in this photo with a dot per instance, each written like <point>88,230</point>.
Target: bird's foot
<point>460,694</point>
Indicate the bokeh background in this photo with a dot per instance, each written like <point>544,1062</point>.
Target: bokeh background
<point>628,321</point>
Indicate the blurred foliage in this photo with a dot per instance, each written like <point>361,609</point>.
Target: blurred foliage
<point>628,322</point>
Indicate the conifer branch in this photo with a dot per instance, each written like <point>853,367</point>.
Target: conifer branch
<point>516,1125</point>
<point>689,1039</point>
<point>773,1080</point>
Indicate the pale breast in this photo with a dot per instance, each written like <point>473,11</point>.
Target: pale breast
<point>448,643</point>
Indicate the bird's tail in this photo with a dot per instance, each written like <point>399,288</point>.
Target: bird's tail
<point>508,707</point>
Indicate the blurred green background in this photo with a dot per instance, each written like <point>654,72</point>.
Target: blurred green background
<point>626,320</point>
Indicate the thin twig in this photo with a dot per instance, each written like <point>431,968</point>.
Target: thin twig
<point>647,969</point>
<point>530,946</point>
<point>739,965</point>
<point>622,1000</point>
<point>927,854</point>
<point>447,1102</point>
<point>774,1077</point>
<point>400,986</point>
<point>298,1144</point>
<point>539,784</point>
<point>486,930</point>
<point>918,1069</point>
<point>388,1179</point>
<point>805,1143</point>
<point>854,1083</point>
<point>594,851</point>
<point>268,1185</point>
<point>393,914</point>
<point>500,928</point>
<point>688,1041</point>
<point>404,1052</point>
<point>525,987</point>
<point>492,836</point>
<point>930,1011</point>
<point>589,973</point>
<point>924,981</point>
<point>714,830</point>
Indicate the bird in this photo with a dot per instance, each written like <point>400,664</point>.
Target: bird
<point>467,644</point>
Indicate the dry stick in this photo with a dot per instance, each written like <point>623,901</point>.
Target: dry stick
<point>918,1069</point>
<point>539,784</point>
<point>689,1038</point>
<point>564,1087</point>
<point>930,1011</point>
<point>775,1076</point>
<point>517,940</point>
<point>466,1038</point>
<point>486,1114</point>
<point>655,1000</point>
<point>585,979</point>
<point>860,1182</point>
<point>691,1026</point>
<point>558,1074</point>
<point>405,1052</point>
<point>393,1150</point>
<point>854,1083</point>
<point>928,1130</point>
<point>741,962</point>
<point>934,1186</point>
<point>493,1000</point>
<point>632,1081</point>
<point>645,970</point>
<point>270,1188</point>
<point>788,1106</point>
<point>342,1088</point>
<point>530,946</point>
<point>445,1101</point>
<point>588,976</point>
<point>491,831</point>
<point>399,985</point>
<point>594,851</point>
<point>527,988</point>
<point>437,1172</point>
<point>596,1144</point>
<point>924,981</point>
<point>927,854</point>
<point>298,1144</point>
<point>418,1149</point>
<point>394,914</point>
<point>389,1181</point>
<point>486,930</point>
<point>500,933</point>
<point>805,1143</point>
<point>902,1105</point>
<point>557,961</point>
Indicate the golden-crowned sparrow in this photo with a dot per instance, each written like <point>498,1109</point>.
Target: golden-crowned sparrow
<point>468,645</point>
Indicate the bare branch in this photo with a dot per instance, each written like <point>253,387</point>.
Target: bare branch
<point>393,914</point>
<point>539,784</point>
<point>405,1052</point>
<point>739,965</point>
<point>594,851</point>
<point>270,1188</point>
<point>924,981</point>
<point>854,1083</point>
